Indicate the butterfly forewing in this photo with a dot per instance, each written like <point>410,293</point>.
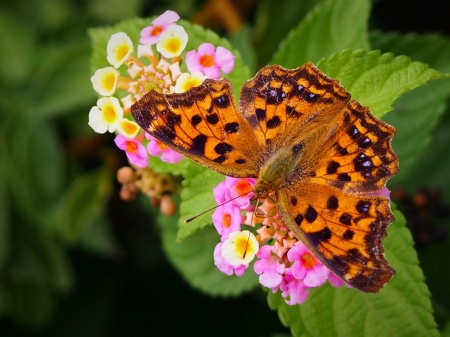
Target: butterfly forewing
<point>203,124</point>
<point>358,156</point>
<point>280,104</point>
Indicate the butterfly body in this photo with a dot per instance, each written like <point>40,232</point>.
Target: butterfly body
<point>298,133</point>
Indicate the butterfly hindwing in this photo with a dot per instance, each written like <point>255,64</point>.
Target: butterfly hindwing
<point>204,125</point>
<point>343,231</point>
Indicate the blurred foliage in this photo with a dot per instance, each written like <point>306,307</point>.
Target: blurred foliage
<point>76,260</point>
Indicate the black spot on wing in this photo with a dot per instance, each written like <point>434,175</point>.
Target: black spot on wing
<point>220,159</point>
<point>332,167</point>
<point>172,119</point>
<point>212,118</point>
<point>222,101</point>
<point>232,127</point>
<point>344,177</point>
<point>223,148</point>
<point>363,207</point>
<point>273,122</point>
<point>260,114</point>
<point>293,201</point>
<point>273,95</point>
<point>320,236</point>
<point>345,219</point>
<point>311,214</point>
<point>298,219</point>
<point>332,202</point>
<point>291,112</point>
<point>195,120</point>
<point>348,234</point>
<point>198,144</point>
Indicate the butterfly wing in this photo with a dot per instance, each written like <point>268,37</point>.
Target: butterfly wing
<point>329,201</point>
<point>280,103</point>
<point>358,156</point>
<point>204,125</point>
<point>343,231</point>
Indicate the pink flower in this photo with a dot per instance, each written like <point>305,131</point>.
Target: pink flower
<point>210,60</point>
<point>135,151</point>
<point>150,35</point>
<point>384,192</point>
<point>227,218</point>
<point>293,290</point>
<point>269,269</point>
<point>335,281</point>
<point>306,267</point>
<point>155,147</point>
<point>236,190</point>
<point>223,264</point>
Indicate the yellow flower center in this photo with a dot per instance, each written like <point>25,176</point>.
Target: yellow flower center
<point>242,246</point>
<point>207,60</point>
<point>109,81</point>
<point>129,128</point>
<point>172,45</point>
<point>308,261</point>
<point>109,113</point>
<point>156,30</point>
<point>191,83</point>
<point>131,147</point>
<point>122,51</point>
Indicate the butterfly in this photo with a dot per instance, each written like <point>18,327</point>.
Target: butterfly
<point>323,155</point>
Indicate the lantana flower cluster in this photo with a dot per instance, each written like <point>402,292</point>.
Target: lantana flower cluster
<point>154,66</point>
<point>282,261</point>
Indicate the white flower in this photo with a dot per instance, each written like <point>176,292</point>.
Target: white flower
<point>119,49</point>
<point>187,81</point>
<point>104,81</point>
<point>240,248</point>
<point>172,42</point>
<point>106,115</point>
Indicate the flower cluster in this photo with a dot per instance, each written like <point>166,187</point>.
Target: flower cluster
<point>282,262</point>
<point>155,67</point>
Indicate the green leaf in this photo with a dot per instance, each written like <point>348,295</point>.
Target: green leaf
<point>415,116</point>
<point>64,80</point>
<point>196,198</point>
<point>35,172</point>
<point>197,36</point>
<point>324,31</point>
<point>401,308</point>
<point>162,167</point>
<point>5,217</point>
<point>274,19</point>
<point>417,113</point>
<point>81,212</point>
<point>376,80</point>
<point>432,49</point>
<point>194,260</point>
<point>17,46</point>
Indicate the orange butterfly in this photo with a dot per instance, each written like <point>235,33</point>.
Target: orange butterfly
<point>299,134</point>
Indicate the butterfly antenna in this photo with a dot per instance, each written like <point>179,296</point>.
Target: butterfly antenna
<point>208,210</point>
